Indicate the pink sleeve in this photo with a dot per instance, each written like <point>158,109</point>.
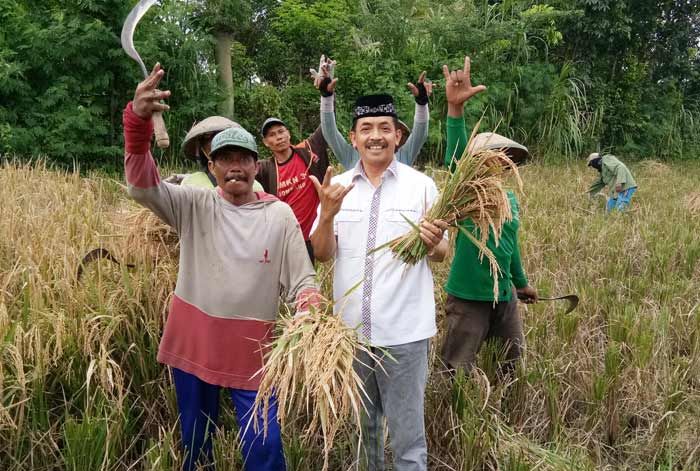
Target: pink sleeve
<point>139,166</point>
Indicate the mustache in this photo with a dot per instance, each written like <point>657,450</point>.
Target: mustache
<point>236,176</point>
<point>376,142</point>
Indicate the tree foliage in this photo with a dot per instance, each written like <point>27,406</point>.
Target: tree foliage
<point>565,77</point>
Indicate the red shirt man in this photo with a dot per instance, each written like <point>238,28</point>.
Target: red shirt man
<point>286,174</point>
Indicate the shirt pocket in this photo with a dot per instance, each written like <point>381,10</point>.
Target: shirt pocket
<point>394,224</point>
<point>349,232</point>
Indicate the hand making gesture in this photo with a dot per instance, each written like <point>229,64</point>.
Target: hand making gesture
<point>422,90</point>
<point>458,87</point>
<point>147,97</point>
<point>323,78</point>
<point>330,195</point>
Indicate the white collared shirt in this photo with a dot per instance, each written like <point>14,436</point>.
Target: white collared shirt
<point>392,303</point>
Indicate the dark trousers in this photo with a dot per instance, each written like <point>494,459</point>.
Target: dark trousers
<point>471,323</point>
<point>198,403</point>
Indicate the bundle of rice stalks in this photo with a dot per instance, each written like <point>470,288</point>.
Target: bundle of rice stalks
<point>692,202</point>
<point>136,235</point>
<point>147,234</point>
<point>475,191</point>
<point>309,369</point>
<point>655,168</point>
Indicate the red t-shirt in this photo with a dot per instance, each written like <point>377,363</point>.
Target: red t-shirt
<point>295,189</point>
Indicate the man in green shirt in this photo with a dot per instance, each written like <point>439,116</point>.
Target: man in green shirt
<point>615,174</point>
<point>473,315</point>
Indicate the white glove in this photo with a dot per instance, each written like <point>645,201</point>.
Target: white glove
<point>326,68</point>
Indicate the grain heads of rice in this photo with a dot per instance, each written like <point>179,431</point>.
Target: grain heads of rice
<point>475,190</point>
<point>309,371</point>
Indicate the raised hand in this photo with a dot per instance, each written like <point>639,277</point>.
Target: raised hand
<point>330,195</point>
<point>458,84</point>
<point>147,97</point>
<point>422,90</point>
<point>323,78</point>
<point>316,74</point>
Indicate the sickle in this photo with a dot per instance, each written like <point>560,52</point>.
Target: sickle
<point>162,139</point>
<point>572,298</point>
<point>96,254</point>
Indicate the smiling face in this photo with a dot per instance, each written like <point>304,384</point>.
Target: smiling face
<point>277,138</point>
<point>234,170</point>
<point>376,139</point>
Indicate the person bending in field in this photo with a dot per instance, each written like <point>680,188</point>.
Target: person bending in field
<point>473,314</point>
<point>393,305</point>
<point>238,250</point>
<point>617,176</point>
<point>410,143</point>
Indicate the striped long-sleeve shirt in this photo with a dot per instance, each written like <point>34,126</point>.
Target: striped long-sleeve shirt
<point>234,263</point>
<point>348,156</point>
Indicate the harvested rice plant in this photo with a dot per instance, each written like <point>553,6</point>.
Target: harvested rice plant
<point>614,384</point>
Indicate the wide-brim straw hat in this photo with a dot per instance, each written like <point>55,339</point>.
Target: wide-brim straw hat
<point>518,153</point>
<point>592,157</point>
<point>405,132</point>
<point>213,124</point>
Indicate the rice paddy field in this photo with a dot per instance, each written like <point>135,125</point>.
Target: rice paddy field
<point>613,385</point>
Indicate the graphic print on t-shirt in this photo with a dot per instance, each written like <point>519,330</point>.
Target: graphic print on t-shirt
<point>295,189</point>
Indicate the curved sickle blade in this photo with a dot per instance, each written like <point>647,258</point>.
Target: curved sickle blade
<point>573,302</point>
<point>571,298</point>
<point>128,31</point>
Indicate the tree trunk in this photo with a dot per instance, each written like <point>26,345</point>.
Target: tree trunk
<point>223,65</point>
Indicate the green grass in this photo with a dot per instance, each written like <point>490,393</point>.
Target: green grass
<point>613,385</point>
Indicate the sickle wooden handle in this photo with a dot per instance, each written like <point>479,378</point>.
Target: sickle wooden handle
<point>162,138</point>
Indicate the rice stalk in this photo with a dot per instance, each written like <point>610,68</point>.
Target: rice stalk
<point>564,405</point>
<point>147,232</point>
<point>655,168</point>
<point>475,191</point>
<point>692,202</point>
<point>309,368</point>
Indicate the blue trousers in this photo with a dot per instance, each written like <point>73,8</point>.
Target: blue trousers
<point>198,403</point>
<point>622,201</point>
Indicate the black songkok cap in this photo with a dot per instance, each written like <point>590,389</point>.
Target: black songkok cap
<point>374,105</point>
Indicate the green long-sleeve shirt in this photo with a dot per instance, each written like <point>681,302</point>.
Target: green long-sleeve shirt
<point>469,277</point>
<point>612,172</point>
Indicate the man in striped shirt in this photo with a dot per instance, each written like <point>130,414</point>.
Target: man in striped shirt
<point>238,250</point>
<point>393,305</point>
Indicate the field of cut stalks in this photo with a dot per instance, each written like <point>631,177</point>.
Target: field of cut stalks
<point>613,385</point>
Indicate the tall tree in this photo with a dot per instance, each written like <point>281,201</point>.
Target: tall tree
<point>228,21</point>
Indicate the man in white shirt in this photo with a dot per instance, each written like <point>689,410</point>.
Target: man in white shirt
<point>393,306</point>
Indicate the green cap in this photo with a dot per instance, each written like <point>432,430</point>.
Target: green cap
<point>234,137</point>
